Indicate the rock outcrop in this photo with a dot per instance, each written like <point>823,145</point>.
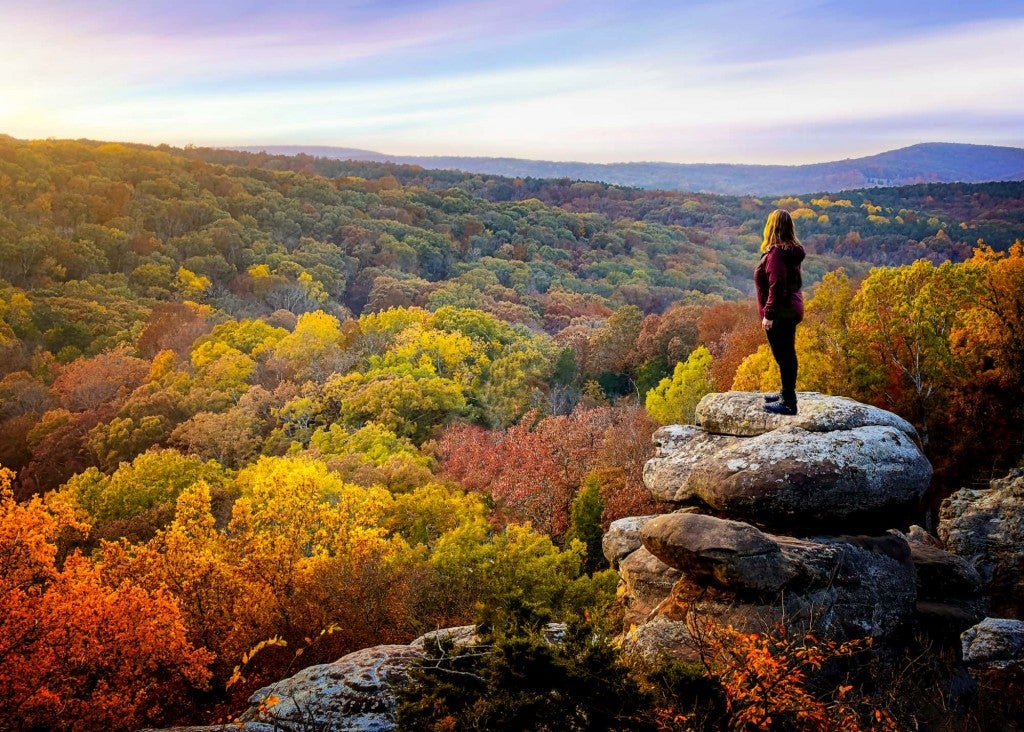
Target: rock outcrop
<point>742,414</point>
<point>994,644</point>
<point>791,520</point>
<point>841,586</point>
<point>838,466</point>
<point>353,693</point>
<point>646,581</point>
<point>986,527</point>
<point>356,693</point>
<point>993,651</point>
<point>948,590</point>
<point>622,538</point>
<point>730,554</point>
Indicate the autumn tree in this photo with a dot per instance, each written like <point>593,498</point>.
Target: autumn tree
<point>825,350</point>
<point>314,351</point>
<point>613,347</point>
<point>87,383</point>
<point>991,338</point>
<point>77,652</point>
<point>174,326</point>
<point>409,401</point>
<point>674,400</point>
<point>731,331</point>
<point>907,315</point>
<point>535,468</point>
<point>987,421</point>
<point>237,436</point>
<point>759,372</point>
<point>139,497</point>
<point>372,455</point>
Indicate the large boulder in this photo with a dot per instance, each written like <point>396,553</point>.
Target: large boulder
<point>729,554</point>
<point>355,693</point>
<point>986,527</point>
<point>942,574</point>
<point>849,467</point>
<point>994,643</point>
<point>679,450</point>
<point>948,591</point>
<point>622,538</point>
<point>848,586</point>
<point>662,637</point>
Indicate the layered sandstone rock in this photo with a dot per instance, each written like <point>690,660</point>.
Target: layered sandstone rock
<point>791,521</point>
<point>842,586</point>
<point>838,466</point>
<point>986,527</point>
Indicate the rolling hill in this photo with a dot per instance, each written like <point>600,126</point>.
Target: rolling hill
<point>924,163</point>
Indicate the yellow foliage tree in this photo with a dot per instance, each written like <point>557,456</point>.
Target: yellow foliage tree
<point>674,400</point>
<point>758,372</point>
<point>824,348</point>
<point>191,285</point>
<point>314,350</point>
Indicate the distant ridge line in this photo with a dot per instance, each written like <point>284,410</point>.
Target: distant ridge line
<point>930,162</point>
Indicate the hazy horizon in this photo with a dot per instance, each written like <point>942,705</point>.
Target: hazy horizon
<point>273,146</point>
<point>563,80</point>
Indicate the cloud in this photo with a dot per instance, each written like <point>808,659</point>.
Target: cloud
<point>422,81</point>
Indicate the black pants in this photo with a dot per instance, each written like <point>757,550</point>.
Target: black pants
<point>782,339</point>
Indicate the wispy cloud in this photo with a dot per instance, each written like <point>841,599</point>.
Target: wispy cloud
<point>543,78</point>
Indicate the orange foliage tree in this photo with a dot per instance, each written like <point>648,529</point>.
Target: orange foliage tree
<point>731,331</point>
<point>767,680</point>
<point>75,651</point>
<point>298,540</point>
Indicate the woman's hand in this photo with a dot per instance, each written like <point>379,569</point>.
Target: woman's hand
<point>765,323</point>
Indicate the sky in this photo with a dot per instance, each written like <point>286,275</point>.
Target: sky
<point>742,81</point>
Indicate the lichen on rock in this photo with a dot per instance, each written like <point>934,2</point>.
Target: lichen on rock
<point>843,467</point>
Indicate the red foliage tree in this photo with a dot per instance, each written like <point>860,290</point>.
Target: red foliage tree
<point>86,383</point>
<point>671,335</point>
<point>535,468</point>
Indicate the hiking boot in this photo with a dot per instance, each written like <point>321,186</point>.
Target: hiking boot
<point>769,398</point>
<point>780,408</point>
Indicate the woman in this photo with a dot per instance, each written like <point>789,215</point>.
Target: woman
<point>780,302</point>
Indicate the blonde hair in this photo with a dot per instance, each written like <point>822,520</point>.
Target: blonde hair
<point>779,231</point>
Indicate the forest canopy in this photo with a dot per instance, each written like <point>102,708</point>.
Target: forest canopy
<point>236,387</point>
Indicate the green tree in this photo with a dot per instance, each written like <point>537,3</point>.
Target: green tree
<point>585,525</point>
<point>154,480</point>
<point>410,402</point>
<point>524,677</point>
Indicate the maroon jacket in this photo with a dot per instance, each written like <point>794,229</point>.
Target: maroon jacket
<point>778,281</point>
